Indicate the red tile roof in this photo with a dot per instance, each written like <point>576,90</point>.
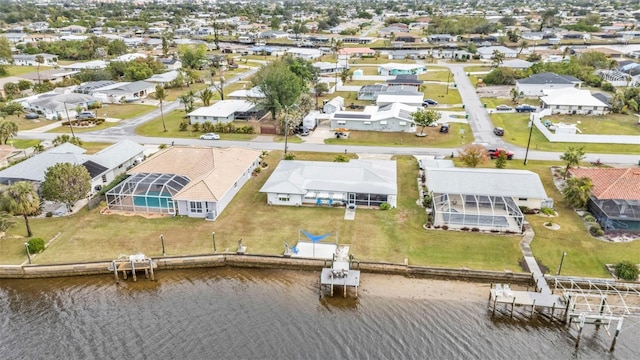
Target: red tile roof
<point>614,183</point>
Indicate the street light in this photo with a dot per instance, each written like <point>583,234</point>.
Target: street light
<point>564,253</point>
<point>162,240</point>
<point>526,154</point>
<point>26,246</point>
<point>213,236</point>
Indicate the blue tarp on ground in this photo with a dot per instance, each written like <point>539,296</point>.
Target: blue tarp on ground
<point>316,238</point>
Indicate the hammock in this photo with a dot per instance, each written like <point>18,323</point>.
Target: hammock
<point>316,238</point>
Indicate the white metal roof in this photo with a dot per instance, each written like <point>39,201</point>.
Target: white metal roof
<point>571,97</point>
<point>356,176</point>
<point>223,108</point>
<point>487,182</point>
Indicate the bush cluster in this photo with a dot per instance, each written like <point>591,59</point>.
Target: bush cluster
<point>35,245</point>
<point>547,211</point>
<point>626,270</point>
<point>385,206</point>
<point>224,128</point>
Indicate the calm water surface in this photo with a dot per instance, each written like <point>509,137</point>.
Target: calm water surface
<point>257,314</point>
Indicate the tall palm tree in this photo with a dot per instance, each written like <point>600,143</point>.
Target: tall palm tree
<point>206,95</point>
<point>21,199</point>
<point>8,129</point>
<point>577,191</point>
<point>186,101</point>
<point>161,95</point>
<point>498,58</point>
<point>40,61</point>
<point>572,157</point>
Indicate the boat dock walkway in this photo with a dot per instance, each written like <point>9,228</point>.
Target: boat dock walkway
<point>131,264</point>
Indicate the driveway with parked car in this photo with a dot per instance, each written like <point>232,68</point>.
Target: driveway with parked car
<point>210,136</point>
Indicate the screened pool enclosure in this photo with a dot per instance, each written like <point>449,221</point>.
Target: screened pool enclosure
<point>477,211</point>
<point>146,193</point>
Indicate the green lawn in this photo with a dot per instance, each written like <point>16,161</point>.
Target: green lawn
<point>120,111</point>
<point>375,235</point>
<point>172,120</point>
<point>517,132</point>
<point>611,124</point>
<point>367,70</point>
<point>26,124</point>
<point>380,60</point>
<point>492,102</point>
<point>476,68</point>
<point>433,139</point>
<point>15,70</point>
<point>173,94</point>
<point>357,82</point>
<point>23,143</point>
<point>437,75</point>
<point>439,93</point>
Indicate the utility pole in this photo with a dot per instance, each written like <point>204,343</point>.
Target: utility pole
<point>69,119</point>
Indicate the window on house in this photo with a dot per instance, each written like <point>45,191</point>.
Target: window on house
<point>341,122</point>
<point>195,207</point>
<point>522,199</point>
<point>104,179</point>
<point>283,197</point>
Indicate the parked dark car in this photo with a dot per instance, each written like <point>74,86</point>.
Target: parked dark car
<point>525,108</point>
<point>498,131</point>
<point>427,102</point>
<point>444,128</point>
<point>85,115</point>
<point>31,116</point>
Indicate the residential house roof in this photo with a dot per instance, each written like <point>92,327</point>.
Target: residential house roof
<point>612,183</point>
<point>396,66</point>
<point>223,108</point>
<point>516,64</point>
<point>570,97</point>
<point>405,79</point>
<point>549,78</point>
<point>211,171</point>
<point>355,176</point>
<point>62,102</point>
<point>486,182</point>
<point>378,113</point>
<point>117,153</point>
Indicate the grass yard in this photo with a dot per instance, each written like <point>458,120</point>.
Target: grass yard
<point>368,70</point>
<point>436,75</point>
<point>172,121</point>
<point>477,68</point>
<point>375,235</point>
<point>492,102</point>
<point>433,139</point>
<point>439,93</point>
<point>380,60</point>
<point>120,111</point>
<point>517,132</point>
<point>173,94</point>
<point>357,82</point>
<point>611,124</point>
<point>586,255</point>
<point>349,97</point>
<point>16,70</point>
<point>26,124</point>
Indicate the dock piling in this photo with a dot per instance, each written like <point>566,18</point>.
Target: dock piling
<point>133,272</point>
<point>153,278</point>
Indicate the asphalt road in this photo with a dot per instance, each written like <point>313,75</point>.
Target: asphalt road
<point>479,121</point>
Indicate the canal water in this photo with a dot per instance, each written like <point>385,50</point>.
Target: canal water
<point>269,314</point>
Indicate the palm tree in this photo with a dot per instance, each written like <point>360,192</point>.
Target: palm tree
<point>40,61</point>
<point>21,199</point>
<point>344,75</point>
<point>523,44</point>
<point>336,46</point>
<point>572,156</point>
<point>186,100</point>
<point>498,58</point>
<point>6,221</point>
<point>161,95</point>
<point>38,148</point>
<point>206,95</point>
<point>8,129</point>
<point>577,191</point>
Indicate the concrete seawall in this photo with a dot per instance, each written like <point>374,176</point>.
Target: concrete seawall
<point>267,262</point>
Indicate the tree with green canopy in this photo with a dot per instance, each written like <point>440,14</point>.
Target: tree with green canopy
<point>21,198</point>
<point>66,183</point>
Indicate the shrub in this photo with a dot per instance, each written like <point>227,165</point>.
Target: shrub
<point>595,229</point>
<point>385,206</point>
<point>548,224</point>
<point>607,86</point>
<point>599,232</point>
<point>465,229</point>
<point>49,214</point>
<point>547,211</point>
<point>264,164</point>
<point>162,146</point>
<point>257,170</point>
<point>184,125</point>
<point>626,270</point>
<point>475,229</point>
<point>289,156</point>
<point>195,127</point>
<point>427,201</point>
<point>445,227</point>
<point>589,218</point>
<point>35,245</point>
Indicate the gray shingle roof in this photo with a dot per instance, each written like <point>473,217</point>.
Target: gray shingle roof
<point>550,78</point>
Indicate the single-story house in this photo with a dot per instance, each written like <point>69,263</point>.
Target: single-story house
<point>392,69</point>
<point>57,106</point>
<point>572,101</point>
<point>360,182</point>
<point>305,53</point>
<point>333,105</point>
<point>171,63</point>
<point>403,54</point>
<point>185,180</point>
<point>486,52</point>
<point>535,84</point>
<point>395,117</point>
<point>50,75</point>
<point>273,34</point>
<point>405,80</point>
<point>516,64</point>
<point>88,65</point>
<point>103,166</point>
<point>164,78</point>
<point>414,100</point>
<point>30,60</point>
<point>441,38</point>
<point>356,52</point>
<point>252,94</point>
<point>329,67</point>
<point>615,197</point>
<point>223,111</point>
<point>406,37</point>
<point>129,57</point>
<point>132,91</point>
<point>487,199</point>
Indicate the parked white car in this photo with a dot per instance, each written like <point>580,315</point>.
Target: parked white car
<point>210,136</point>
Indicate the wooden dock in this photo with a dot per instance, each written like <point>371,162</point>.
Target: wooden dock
<point>132,264</point>
<point>331,277</point>
<point>502,294</point>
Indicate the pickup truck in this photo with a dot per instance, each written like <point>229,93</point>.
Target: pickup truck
<point>496,152</point>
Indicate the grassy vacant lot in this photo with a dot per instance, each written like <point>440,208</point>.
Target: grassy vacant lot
<point>173,94</point>
<point>436,75</point>
<point>172,121</point>
<point>586,255</point>
<point>380,60</point>
<point>517,132</point>
<point>16,70</point>
<point>23,143</point>
<point>492,102</point>
<point>26,124</point>
<point>439,93</point>
<point>478,68</point>
<point>375,235</point>
<point>611,124</point>
<point>433,139</point>
<point>120,111</point>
